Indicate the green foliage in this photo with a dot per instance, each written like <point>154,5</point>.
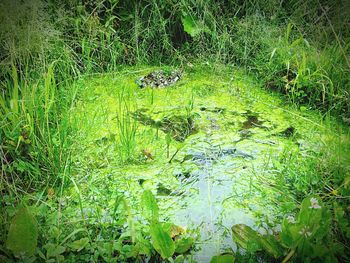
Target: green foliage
<point>226,258</point>
<point>23,234</point>
<point>193,27</point>
<point>265,36</point>
<point>161,240</point>
<point>340,218</point>
<point>80,244</point>
<point>308,234</point>
<point>246,237</point>
<point>305,237</point>
<point>162,234</point>
<point>183,245</point>
<point>53,252</point>
<point>304,72</point>
<point>252,241</point>
<point>149,206</point>
<point>35,130</point>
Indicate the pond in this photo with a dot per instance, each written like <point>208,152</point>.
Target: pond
<point>214,148</point>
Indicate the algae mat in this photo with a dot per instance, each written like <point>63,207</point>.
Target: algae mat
<point>212,148</point>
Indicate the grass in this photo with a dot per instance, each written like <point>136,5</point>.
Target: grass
<point>35,137</point>
<point>126,127</point>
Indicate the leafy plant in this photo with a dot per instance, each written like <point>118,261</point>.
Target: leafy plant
<point>161,240</point>
<point>305,237</point>
<point>166,238</point>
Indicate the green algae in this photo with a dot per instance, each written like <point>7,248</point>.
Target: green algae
<point>223,174</point>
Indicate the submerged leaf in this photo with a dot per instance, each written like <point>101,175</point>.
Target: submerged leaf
<point>23,234</point>
<point>162,241</point>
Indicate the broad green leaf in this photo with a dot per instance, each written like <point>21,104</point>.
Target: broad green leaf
<point>246,237</point>
<point>193,27</point>
<point>162,241</point>
<point>314,217</point>
<point>320,250</point>
<point>305,248</point>
<point>149,206</point>
<point>252,241</point>
<point>78,245</point>
<point>183,245</point>
<point>227,258</point>
<point>23,234</point>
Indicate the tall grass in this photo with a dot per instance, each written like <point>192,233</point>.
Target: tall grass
<point>126,126</point>
<point>34,130</point>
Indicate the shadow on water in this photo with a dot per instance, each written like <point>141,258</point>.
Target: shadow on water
<point>178,126</point>
<point>252,120</point>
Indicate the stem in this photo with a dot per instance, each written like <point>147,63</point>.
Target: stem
<point>287,258</point>
<point>172,157</point>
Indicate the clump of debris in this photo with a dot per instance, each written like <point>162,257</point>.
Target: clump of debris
<point>159,79</point>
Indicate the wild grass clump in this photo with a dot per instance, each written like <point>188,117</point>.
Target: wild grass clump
<point>34,131</point>
<point>305,74</point>
<point>126,130</point>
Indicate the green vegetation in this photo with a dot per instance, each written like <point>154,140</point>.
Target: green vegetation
<point>175,131</point>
